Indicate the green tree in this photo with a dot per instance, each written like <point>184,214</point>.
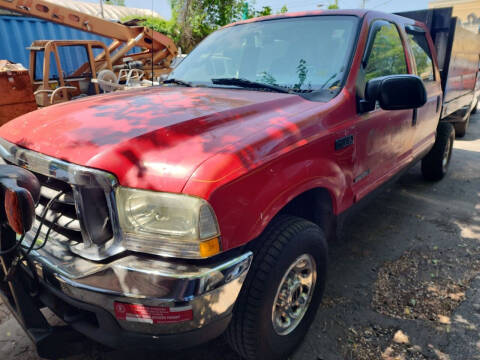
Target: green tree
<point>268,78</point>
<point>198,18</point>
<point>193,20</point>
<point>115,2</point>
<point>334,6</point>
<point>252,12</point>
<point>284,9</point>
<point>387,56</point>
<point>169,28</point>
<point>266,10</point>
<point>245,11</point>
<point>302,72</point>
<point>422,57</point>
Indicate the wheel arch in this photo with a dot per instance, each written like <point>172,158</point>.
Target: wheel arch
<point>315,205</point>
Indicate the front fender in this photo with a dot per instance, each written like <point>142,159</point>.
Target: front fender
<point>245,199</point>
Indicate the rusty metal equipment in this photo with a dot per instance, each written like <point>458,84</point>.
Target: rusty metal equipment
<point>17,93</point>
<point>49,90</point>
<point>157,51</point>
<point>91,78</point>
<point>114,61</point>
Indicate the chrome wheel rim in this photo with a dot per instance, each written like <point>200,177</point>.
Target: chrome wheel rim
<point>446,155</point>
<point>294,294</point>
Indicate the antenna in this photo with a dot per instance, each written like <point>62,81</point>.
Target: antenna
<point>101,9</point>
<point>153,78</point>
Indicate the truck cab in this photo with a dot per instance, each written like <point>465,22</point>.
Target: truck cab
<point>169,215</point>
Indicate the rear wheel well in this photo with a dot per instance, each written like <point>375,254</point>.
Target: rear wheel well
<point>315,205</point>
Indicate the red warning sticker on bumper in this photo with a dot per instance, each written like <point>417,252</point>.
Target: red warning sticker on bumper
<point>152,314</point>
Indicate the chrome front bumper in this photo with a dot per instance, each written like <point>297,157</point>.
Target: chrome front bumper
<point>209,290</point>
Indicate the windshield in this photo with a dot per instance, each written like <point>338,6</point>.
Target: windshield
<point>302,54</point>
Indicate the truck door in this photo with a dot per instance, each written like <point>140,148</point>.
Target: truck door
<point>425,118</point>
<point>383,138</point>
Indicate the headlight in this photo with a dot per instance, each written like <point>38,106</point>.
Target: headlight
<point>167,224</point>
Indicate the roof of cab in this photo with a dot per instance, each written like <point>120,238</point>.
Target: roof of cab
<point>354,12</point>
<point>351,12</point>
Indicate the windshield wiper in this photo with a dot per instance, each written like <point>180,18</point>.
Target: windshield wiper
<point>250,84</point>
<point>333,77</point>
<point>177,81</point>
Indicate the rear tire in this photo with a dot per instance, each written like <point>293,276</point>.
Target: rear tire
<point>435,163</point>
<point>276,304</point>
<point>461,127</point>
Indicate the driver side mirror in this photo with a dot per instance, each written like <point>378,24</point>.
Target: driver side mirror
<point>394,92</point>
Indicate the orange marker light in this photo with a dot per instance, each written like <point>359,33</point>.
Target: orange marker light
<point>14,211</point>
<point>210,247</point>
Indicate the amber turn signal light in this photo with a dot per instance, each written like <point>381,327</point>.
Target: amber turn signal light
<point>13,211</point>
<point>210,247</point>
<point>20,210</point>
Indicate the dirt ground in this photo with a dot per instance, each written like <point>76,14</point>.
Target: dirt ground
<point>404,279</point>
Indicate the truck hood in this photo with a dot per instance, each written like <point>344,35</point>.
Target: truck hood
<point>151,138</point>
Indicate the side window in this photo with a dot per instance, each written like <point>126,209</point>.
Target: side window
<point>386,55</point>
<point>421,53</point>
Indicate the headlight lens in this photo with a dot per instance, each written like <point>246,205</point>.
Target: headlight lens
<point>167,224</point>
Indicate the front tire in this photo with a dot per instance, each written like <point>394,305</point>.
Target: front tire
<point>282,292</point>
<point>435,163</point>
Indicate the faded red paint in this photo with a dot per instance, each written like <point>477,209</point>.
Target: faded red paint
<point>152,138</point>
<point>247,152</point>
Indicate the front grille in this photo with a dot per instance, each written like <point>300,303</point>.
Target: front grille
<point>62,212</point>
<point>84,218</point>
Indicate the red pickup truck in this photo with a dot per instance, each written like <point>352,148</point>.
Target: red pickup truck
<point>170,215</point>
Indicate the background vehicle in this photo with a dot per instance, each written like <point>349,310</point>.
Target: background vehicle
<point>171,214</point>
<point>458,54</point>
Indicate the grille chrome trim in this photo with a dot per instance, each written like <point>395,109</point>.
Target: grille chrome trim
<point>50,193</point>
<point>63,221</point>
<point>63,212</point>
<point>76,176</point>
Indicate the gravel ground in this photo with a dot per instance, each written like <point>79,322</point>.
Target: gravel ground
<point>404,278</point>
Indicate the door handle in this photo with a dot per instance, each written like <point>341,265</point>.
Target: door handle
<point>414,117</point>
<point>438,103</point>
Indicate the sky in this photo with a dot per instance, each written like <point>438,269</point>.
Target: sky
<point>163,7</point>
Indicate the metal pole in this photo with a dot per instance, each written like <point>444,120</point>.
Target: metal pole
<point>101,9</point>
<point>364,3</point>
